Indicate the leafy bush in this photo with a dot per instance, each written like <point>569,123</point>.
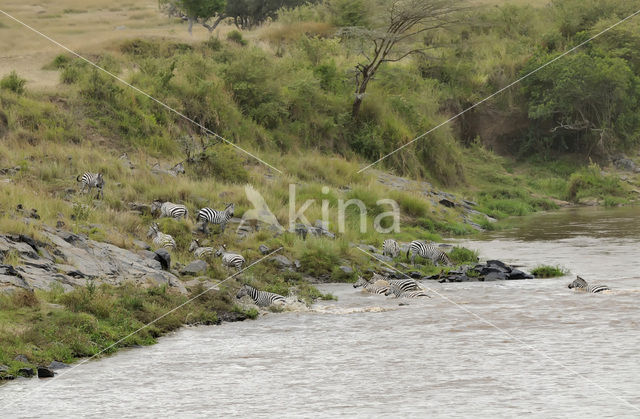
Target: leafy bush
<point>591,182</point>
<point>13,82</point>
<point>546,271</point>
<point>236,36</point>
<point>460,255</point>
<point>220,162</point>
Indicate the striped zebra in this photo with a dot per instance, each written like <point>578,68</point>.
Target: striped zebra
<point>407,284</point>
<point>200,252</point>
<point>159,238</point>
<point>169,209</point>
<point>390,247</point>
<point>428,251</point>
<point>230,259</point>
<point>261,298</point>
<point>379,287</point>
<point>581,285</point>
<point>92,180</point>
<point>208,215</point>
<point>400,293</point>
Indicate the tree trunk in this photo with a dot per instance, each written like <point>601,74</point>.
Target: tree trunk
<point>190,20</point>
<point>360,92</point>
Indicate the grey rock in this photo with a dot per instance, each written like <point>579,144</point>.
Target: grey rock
<point>57,365</point>
<point>44,372</point>
<point>194,268</point>
<point>3,368</point>
<point>264,249</point>
<point>26,372</point>
<point>297,264</point>
<point>21,358</point>
<point>495,276</point>
<point>281,261</point>
<point>447,203</point>
<point>163,256</point>
<point>346,269</point>
<point>141,245</point>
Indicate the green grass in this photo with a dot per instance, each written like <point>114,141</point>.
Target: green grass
<point>461,255</point>
<point>546,271</point>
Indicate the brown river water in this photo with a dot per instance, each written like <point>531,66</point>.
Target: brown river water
<point>535,348</point>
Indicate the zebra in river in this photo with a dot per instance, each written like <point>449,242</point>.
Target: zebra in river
<point>406,284</point>
<point>400,293</point>
<point>92,180</point>
<point>200,252</point>
<point>230,259</point>
<point>428,251</point>
<point>261,298</point>
<point>374,288</point>
<point>159,238</point>
<point>169,209</point>
<point>208,215</point>
<point>390,247</point>
<point>581,285</point>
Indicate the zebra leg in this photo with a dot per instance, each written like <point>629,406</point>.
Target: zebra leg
<point>222,227</point>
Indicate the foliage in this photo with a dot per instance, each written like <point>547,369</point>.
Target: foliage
<point>591,182</point>
<point>13,82</point>
<point>546,271</point>
<point>460,255</point>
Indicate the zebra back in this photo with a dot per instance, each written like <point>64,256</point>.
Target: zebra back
<point>580,284</point>
<point>261,298</point>
<point>428,251</point>
<point>390,247</point>
<point>400,293</point>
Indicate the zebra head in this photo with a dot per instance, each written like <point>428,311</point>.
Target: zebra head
<point>578,283</point>
<point>155,206</point>
<point>243,291</point>
<point>153,230</point>
<point>100,181</point>
<point>393,289</point>
<point>229,209</point>
<point>194,245</point>
<point>221,250</point>
<point>360,282</point>
<point>178,169</point>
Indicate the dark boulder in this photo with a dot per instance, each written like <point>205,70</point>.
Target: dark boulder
<point>495,276</point>
<point>26,372</point>
<point>518,274</point>
<point>415,274</point>
<point>57,365</point>
<point>447,203</point>
<point>44,372</point>
<point>498,264</point>
<point>162,256</point>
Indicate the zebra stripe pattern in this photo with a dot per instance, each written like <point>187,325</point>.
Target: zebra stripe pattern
<point>428,251</point>
<point>400,293</point>
<point>407,284</point>
<point>261,298</point>
<point>230,259</point>
<point>390,247</point>
<point>169,209</point>
<point>581,285</point>
<point>160,239</point>
<point>200,252</point>
<point>376,288</point>
<point>208,215</point>
<point>92,180</point>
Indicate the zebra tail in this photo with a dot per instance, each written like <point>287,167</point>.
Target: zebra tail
<point>408,250</point>
<point>78,178</point>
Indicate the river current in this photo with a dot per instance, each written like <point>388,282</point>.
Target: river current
<point>496,349</point>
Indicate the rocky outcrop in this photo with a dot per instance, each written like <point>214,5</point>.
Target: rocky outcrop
<point>492,270</point>
<point>70,260</point>
<point>44,372</point>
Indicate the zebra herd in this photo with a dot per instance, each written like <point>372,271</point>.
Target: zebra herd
<point>429,251</point>
<point>399,288</point>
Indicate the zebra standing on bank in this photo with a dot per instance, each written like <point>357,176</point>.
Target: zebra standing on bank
<point>428,251</point>
<point>169,209</point>
<point>375,288</point>
<point>581,285</point>
<point>390,247</point>
<point>200,252</point>
<point>261,298</point>
<point>230,259</point>
<point>92,180</point>
<point>208,215</point>
<point>160,239</point>
<point>400,293</point>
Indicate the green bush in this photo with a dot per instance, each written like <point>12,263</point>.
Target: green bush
<point>460,255</point>
<point>591,182</point>
<point>546,271</point>
<point>13,82</point>
<point>220,162</point>
<point>236,36</point>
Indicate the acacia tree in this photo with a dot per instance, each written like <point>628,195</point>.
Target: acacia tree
<point>395,40</point>
<point>197,11</point>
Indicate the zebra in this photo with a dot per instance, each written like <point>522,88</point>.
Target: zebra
<point>161,239</point>
<point>261,298</point>
<point>581,285</point>
<point>169,209</point>
<point>230,259</point>
<point>375,288</point>
<point>406,284</point>
<point>390,247</point>
<point>200,252</point>
<point>176,170</point>
<point>92,180</point>
<point>400,293</point>
<point>208,215</point>
<point>428,251</point>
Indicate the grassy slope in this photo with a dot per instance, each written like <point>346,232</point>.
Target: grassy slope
<point>88,122</point>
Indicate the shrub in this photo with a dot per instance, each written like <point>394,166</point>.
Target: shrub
<point>460,255</point>
<point>13,82</point>
<point>236,36</point>
<point>221,162</point>
<point>546,271</point>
